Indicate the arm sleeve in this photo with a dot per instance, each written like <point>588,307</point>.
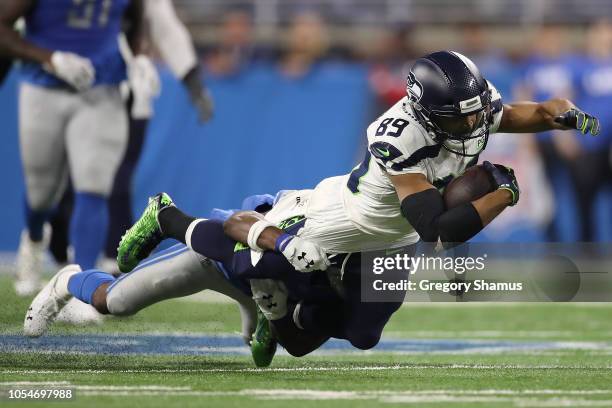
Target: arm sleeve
<point>426,213</point>
<point>170,37</point>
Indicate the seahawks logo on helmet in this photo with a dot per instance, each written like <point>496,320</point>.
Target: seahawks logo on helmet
<point>414,88</point>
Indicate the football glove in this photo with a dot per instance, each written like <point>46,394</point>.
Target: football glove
<point>199,95</point>
<point>302,254</point>
<point>579,120</point>
<point>504,179</point>
<point>270,296</point>
<point>145,85</point>
<point>73,69</point>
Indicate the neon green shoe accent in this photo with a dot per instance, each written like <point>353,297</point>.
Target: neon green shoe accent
<point>263,346</point>
<point>142,238</point>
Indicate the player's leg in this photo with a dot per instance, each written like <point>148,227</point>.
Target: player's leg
<point>95,141</point>
<point>161,220</point>
<point>172,273</point>
<point>120,200</point>
<point>359,322</point>
<point>42,118</point>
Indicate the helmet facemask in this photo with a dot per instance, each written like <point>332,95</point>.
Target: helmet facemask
<point>462,133</point>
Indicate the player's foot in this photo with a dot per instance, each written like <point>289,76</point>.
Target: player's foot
<point>263,346</point>
<point>78,313</point>
<point>48,303</point>
<point>142,238</point>
<point>30,263</point>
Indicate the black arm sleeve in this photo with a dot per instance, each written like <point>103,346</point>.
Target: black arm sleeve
<point>426,213</point>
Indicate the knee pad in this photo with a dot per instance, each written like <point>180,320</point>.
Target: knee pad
<point>118,306</point>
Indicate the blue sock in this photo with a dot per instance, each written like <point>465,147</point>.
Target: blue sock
<point>82,285</point>
<point>88,228</point>
<point>35,220</point>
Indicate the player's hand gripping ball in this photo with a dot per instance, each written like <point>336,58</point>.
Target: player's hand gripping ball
<point>504,179</point>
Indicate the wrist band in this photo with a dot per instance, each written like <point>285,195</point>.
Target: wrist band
<point>255,231</point>
<point>282,241</point>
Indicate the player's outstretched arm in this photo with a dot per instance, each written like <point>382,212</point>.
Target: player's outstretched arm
<point>423,206</point>
<point>172,39</point>
<point>560,114</point>
<point>251,228</point>
<point>11,43</point>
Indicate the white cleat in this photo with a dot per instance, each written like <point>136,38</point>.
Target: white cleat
<point>48,303</point>
<point>30,263</point>
<point>78,313</point>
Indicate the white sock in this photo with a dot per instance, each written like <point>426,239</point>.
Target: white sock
<point>61,286</point>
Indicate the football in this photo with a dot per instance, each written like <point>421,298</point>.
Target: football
<point>474,183</point>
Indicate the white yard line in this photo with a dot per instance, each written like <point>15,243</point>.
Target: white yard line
<point>311,369</point>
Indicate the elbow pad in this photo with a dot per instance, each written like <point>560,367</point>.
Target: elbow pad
<point>459,224</point>
<point>426,213</point>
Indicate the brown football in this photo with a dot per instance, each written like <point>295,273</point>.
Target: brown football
<point>470,186</point>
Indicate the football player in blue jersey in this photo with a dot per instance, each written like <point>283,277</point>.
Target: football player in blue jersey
<point>547,74</point>
<point>72,119</point>
<point>589,165</point>
<point>175,46</point>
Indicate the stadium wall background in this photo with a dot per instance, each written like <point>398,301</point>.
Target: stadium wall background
<point>269,133</point>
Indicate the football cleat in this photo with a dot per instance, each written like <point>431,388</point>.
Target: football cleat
<point>142,238</point>
<point>30,263</point>
<point>263,346</point>
<point>47,304</point>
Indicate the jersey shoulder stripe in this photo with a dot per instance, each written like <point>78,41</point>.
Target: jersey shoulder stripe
<point>429,151</point>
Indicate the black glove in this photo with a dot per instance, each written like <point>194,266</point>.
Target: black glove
<point>504,178</point>
<point>199,95</point>
<point>579,120</point>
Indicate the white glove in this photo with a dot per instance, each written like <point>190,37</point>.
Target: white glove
<point>73,69</point>
<point>145,86</point>
<point>270,296</point>
<point>302,254</point>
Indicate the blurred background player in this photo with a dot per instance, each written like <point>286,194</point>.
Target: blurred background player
<point>546,74</point>
<point>589,163</point>
<point>172,41</point>
<point>72,119</point>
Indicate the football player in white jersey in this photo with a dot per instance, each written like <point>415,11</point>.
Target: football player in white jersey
<point>389,200</point>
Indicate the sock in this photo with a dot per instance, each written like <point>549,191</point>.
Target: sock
<point>88,228</point>
<point>35,221</point>
<point>83,284</point>
<point>207,238</point>
<point>174,223</point>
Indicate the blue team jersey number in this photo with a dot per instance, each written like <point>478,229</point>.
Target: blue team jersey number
<point>84,14</point>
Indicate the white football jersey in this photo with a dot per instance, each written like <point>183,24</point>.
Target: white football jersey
<point>398,144</point>
<point>360,211</point>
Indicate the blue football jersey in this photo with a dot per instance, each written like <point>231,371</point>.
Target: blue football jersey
<point>88,28</point>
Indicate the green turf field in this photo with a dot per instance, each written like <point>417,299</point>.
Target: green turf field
<point>570,363</point>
